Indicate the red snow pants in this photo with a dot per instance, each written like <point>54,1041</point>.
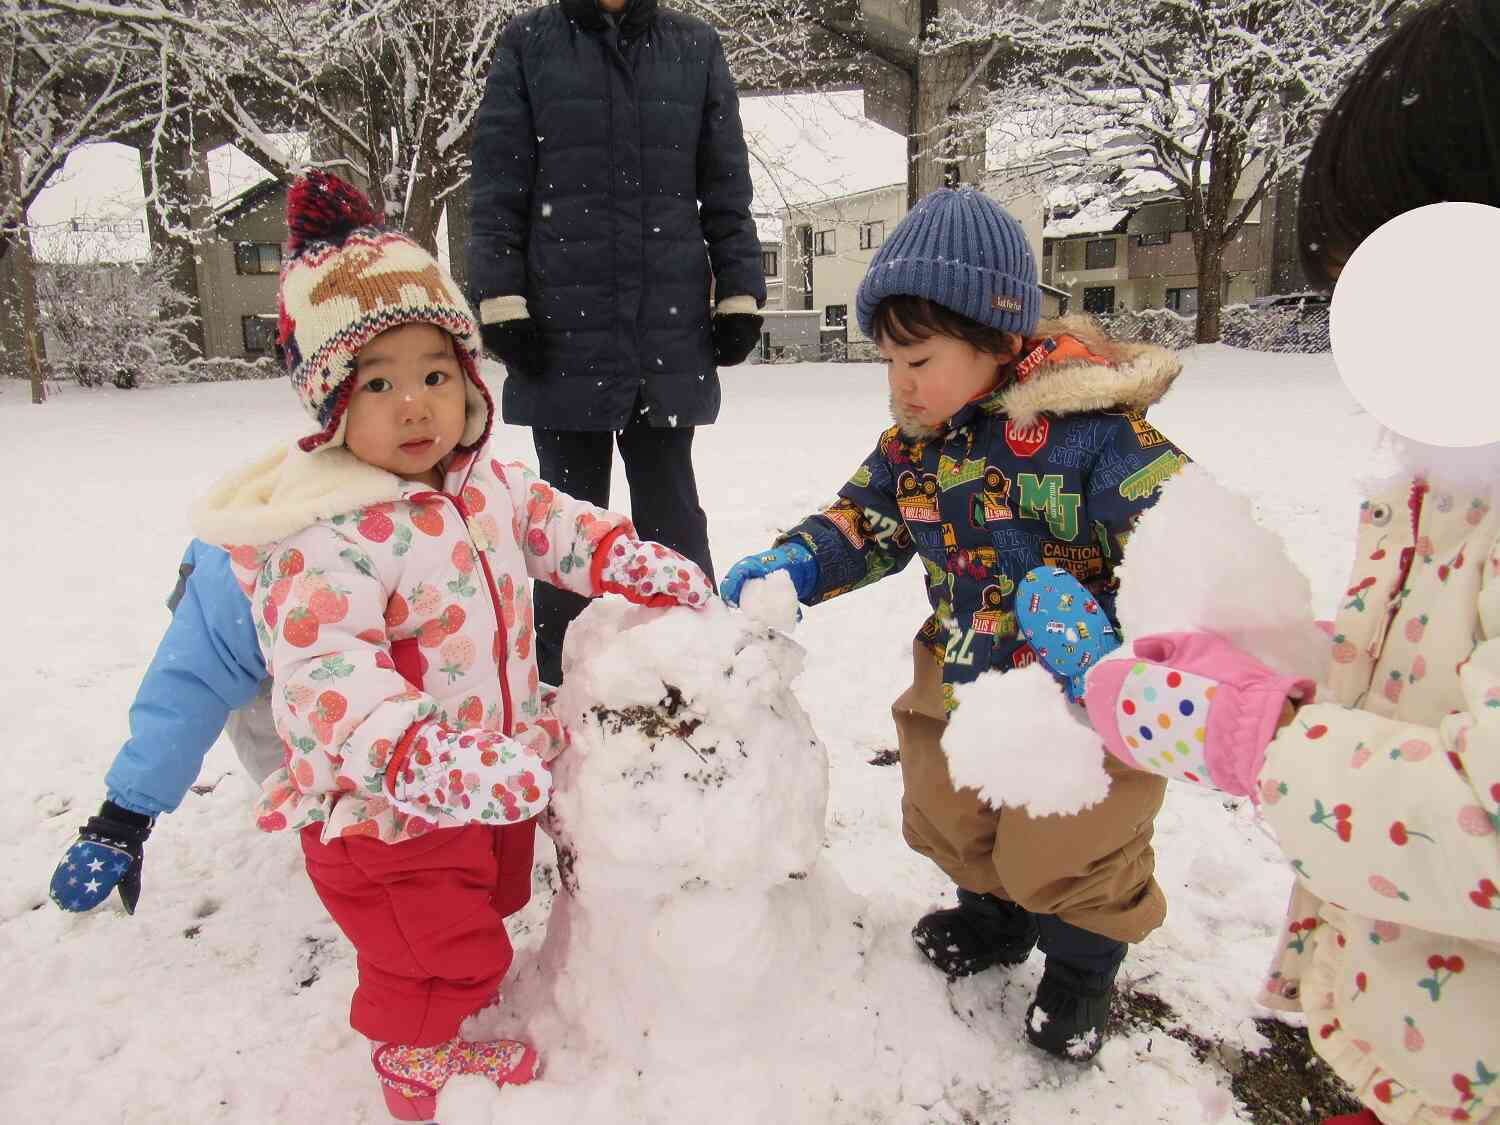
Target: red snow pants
<point>425,917</point>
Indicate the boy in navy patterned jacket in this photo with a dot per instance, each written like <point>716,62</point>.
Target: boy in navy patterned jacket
<point>1016,445</point>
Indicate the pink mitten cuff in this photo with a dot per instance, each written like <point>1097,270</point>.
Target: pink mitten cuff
<point>1191,706</point>
<point>649,574</point>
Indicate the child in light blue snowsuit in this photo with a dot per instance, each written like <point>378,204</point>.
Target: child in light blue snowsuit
<point>207,675</point>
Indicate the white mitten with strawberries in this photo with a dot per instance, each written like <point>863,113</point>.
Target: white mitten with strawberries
<point>650,574</point>
<point>472,775</point>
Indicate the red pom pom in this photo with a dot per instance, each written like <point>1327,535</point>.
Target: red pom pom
<point>323,208</point>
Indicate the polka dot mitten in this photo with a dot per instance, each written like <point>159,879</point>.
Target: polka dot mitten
<point>1191,706</point>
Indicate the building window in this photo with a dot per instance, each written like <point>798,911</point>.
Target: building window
<point>259,334</point>
<point>1099,299</point>
<point>1184,301</point>
<point>257,257</point>
<point>770,263</point>
<point>836,316</point>
<point>1154,238</point>
<point>871,235</point>
<point>823,243</point>
<point>1099,254</point>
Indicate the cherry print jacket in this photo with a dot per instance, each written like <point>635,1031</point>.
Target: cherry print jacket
<point>1384,793</point>
<point>355,574</point>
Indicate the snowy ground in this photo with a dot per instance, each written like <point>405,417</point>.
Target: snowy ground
<point>224,998</point>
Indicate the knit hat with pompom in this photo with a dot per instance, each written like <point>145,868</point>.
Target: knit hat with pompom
<point>346,279</point>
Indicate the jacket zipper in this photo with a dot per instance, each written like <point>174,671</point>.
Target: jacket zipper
<point>507,711</point>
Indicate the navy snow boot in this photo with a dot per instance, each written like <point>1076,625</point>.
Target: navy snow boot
<point>980,932</point>
<point>1068,1016</point>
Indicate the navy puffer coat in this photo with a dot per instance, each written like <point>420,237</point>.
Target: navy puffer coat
<point>610,176</point>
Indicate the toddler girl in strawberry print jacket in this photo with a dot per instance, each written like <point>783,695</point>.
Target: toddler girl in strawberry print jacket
<point>1384,788</point>
<point>387,557</point>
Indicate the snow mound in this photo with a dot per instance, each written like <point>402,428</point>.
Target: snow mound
<point>1199,560</point>
<point>1015,738</point>
<point>689,819</point>
<point>690,757</point>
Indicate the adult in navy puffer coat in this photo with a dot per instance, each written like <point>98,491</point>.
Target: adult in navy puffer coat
<point>610,204</point>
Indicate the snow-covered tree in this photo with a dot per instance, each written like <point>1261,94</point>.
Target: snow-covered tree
<point>67,79</point>
<point>390,89</point>
<point>119,322</point>
<point>1218,98</point>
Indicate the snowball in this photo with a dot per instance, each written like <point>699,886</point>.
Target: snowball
<point>771,601</point>
<point>1016,740</point>
<point>1198,560</point>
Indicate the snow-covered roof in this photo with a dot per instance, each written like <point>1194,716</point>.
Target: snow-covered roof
<point>768,225</point>
<point>244,197</point>
<point>1091,220</point>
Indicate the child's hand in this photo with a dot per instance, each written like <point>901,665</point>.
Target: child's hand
<point>471,775</point>
<point>650,574</point>
<point>1064,625</point>
<point>791,557</point>
<point>108,853</point>
<point>1288,714</point>
<point>1193,706</point>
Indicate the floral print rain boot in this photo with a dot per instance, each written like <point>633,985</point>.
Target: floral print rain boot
<point>410,1077</point>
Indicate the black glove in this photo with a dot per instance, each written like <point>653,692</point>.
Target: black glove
<point>735,336</point>
<point>107,854</point>
<point>516,344</point>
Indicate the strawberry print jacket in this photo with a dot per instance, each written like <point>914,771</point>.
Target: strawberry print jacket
<point>1385,794</point>
<point>355,576</point>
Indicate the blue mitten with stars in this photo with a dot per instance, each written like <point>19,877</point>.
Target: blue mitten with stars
<point>107,854</point>
<point>1065,624</point>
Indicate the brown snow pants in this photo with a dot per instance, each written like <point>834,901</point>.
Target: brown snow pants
<point>1093,869</point>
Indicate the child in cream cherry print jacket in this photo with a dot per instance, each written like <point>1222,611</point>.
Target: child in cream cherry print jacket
<point>1384,788</point>
<point>388,560</point>
<point>1383,792</point>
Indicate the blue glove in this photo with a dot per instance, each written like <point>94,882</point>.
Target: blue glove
<point>108,853</point>
<point>1065,626</point>
<point>793,558</point>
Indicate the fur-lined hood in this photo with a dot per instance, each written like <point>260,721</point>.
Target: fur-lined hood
<point>1116,374</point>
<point>285,491</point>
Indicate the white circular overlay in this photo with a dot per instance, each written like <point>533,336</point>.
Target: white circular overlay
<point>1411,324</point>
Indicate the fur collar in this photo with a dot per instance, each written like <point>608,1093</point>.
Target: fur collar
<point>286,490</point>
<point>1136,375</point>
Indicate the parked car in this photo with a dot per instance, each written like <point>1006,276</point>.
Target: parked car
<point>1280,322</point>
<point>1308,300</point>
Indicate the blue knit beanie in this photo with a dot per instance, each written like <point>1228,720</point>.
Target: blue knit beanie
<point>961,250</point>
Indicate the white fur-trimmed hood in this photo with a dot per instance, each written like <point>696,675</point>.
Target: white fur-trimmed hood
<point>1135,377</point>
<point>286,490</point>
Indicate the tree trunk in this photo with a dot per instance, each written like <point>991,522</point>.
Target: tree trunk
<point>183,186</point>
<point>424,208</point>
<point>20,349</point>
<point>459,227</point>
<point>1210,251</point>
<point>1209,238</point>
